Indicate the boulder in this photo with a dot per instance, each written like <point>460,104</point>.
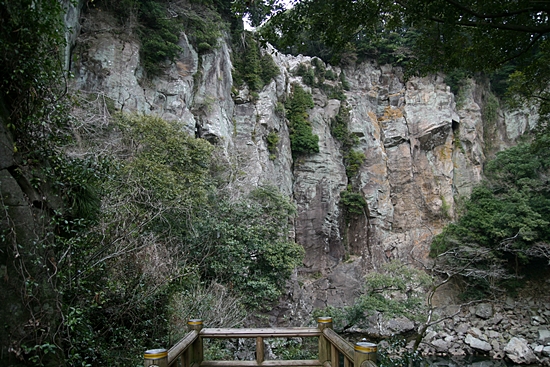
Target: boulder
<point>400,325</point>
<point>546,351</point>
<point>544,336</point>
<point>441,345</point>
<point>484,310</point>
<point>475,332</point>
<point>477,343</point>
<point>518,351</point>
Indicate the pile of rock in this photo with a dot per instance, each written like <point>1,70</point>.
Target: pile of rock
<point>517,331</point>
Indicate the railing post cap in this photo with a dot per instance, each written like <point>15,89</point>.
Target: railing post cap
<point>194,322</point>
<point>324,319</point>
<point>365,347</point>
<point>155,354</point>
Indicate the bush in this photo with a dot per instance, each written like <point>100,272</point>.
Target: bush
<point>353,202</point>
<point>251,67</point>
<point>398,290</point>
<point>272,141</point>
<point>302,139</point>
<point>353,161</point>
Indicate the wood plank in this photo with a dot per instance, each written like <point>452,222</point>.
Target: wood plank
<point>181,346</point>
<point>272,363</point>
<point>340,343</point>
<point>256,332</point>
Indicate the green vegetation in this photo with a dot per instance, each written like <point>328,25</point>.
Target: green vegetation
<point>504,229</point>
<point>489,114</point>
<point>352,201</point>
<point>316,75</point>
<point>272,142</point>
<point>250,66</point>
<point>302,139</point>
<point>141,227</point>
<point>32,89</point>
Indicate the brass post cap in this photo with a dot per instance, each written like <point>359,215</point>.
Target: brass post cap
<point>155,354</point>
<point>324,320</point>
<point>365,347</point>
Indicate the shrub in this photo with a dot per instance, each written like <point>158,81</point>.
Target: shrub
<point>302,139</point>
<point>250,66</point>
<point>353,161</point>
<point>353,202</point>
<point>272,141</point>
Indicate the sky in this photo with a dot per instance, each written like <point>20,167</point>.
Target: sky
<point>286,3</point>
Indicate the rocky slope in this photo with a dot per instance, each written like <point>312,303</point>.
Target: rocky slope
<point>422,152</point>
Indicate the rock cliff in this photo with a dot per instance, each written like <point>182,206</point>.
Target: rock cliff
<point>422,152</point>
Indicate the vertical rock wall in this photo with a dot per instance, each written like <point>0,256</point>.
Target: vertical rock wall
<point>422,153</point>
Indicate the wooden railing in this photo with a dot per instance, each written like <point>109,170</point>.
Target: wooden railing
<point>333,349</point>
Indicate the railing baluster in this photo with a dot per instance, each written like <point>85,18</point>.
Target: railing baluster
<point>334,360</point>
<point>259,350</point>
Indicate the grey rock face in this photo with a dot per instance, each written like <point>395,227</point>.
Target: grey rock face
<point>420,150</point>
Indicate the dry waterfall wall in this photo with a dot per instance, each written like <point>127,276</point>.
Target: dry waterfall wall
<point>421,151</point>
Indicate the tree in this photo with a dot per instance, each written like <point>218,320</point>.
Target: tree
<point>448,34</point>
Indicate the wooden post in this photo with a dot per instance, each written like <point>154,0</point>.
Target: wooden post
<point>155,357</point>
<point>197,353</point>
<point>324,345</point>
<point>259,350</point>
<point>365,354</point>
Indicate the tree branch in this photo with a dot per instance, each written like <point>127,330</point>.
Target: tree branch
<point>500,26</point>
<point>495,15</point>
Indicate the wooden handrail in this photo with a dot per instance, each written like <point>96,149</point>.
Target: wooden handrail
<point>184,344</point>
<point>276,363</point>
<point>343,346</point>
<point>289,332</point>
<point>188,352</point>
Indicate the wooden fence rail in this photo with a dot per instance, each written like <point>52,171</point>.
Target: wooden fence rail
<point>333,349</point>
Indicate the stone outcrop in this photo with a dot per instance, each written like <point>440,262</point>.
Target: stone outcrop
<point>422,152</point>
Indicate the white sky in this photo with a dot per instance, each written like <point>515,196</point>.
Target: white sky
<point>287,5</point>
